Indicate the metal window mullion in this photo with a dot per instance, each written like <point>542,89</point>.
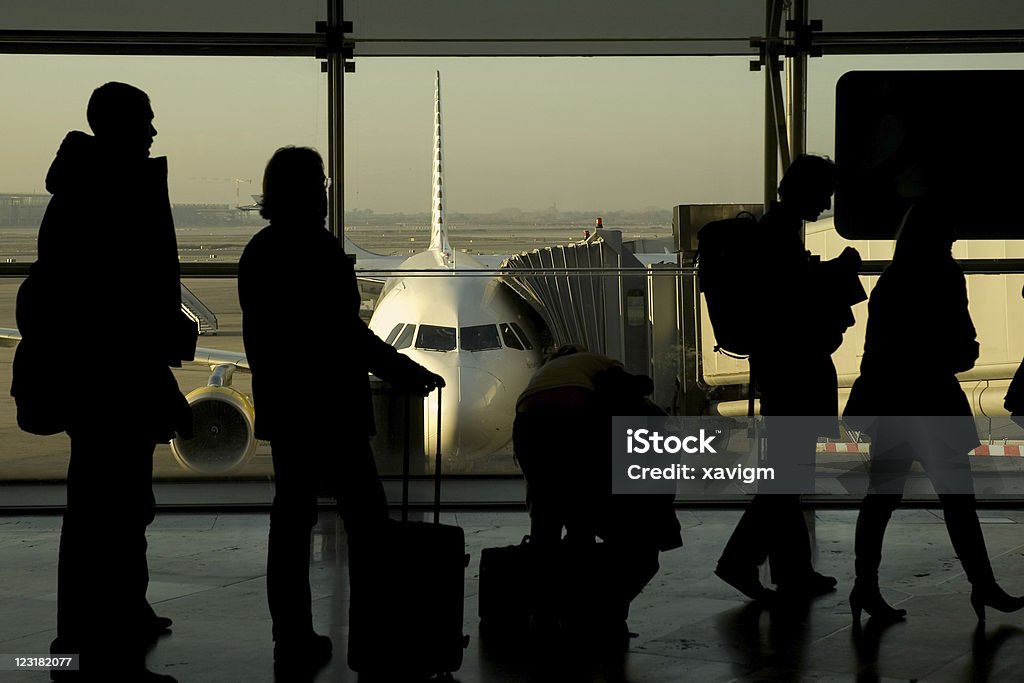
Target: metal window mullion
<point>773,16</point>
<point>336,125</point>
<point>798,89</point>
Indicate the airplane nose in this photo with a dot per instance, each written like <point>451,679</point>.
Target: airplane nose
<point>476,414</point>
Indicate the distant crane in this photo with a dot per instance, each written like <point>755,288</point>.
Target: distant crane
<point>239,181</point>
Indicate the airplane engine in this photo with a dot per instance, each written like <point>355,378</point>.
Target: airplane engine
<point>222,418</point>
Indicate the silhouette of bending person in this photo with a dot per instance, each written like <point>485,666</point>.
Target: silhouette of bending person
<point>561,441</point>
<point>920,330</point>
<point>294,273</point>
<point>801,311</point>
<point>106,191</point>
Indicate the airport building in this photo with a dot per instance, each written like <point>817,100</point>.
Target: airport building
<point>912,103</point>
<point>22,210</point>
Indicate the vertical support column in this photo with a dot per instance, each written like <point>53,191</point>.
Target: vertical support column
<point>798,87</point>
<point>335,120</point>
<point>773,22</point>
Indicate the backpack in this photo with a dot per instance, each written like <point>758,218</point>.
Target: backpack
<point>727,267</point>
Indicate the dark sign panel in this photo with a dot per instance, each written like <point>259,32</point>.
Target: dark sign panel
<point>953,137</point>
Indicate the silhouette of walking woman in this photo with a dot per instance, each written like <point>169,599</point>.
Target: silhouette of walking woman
<point>919,327</point>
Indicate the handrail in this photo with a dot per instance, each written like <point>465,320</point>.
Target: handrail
<point>217,270</point>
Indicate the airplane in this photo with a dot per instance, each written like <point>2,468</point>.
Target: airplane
<point>472,329</point>
<point>469,328</point>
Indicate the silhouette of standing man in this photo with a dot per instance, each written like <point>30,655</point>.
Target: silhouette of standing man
<point>106,191</point>
<point>802,310</point>
<point>318,418</point>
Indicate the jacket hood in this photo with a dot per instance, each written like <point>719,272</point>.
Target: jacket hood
<point>82,160</point>
<point>77,153</point>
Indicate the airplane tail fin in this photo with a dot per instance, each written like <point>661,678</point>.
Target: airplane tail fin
<point>438,228</point>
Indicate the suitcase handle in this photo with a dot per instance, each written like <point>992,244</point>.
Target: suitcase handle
<point>405,459</point>
<point>437,462</point>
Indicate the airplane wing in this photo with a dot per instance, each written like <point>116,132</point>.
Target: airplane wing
<point>372,270</point>
<point>216,357</point>
<point>210,357</point>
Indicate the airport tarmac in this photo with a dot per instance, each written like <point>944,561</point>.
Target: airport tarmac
<point>25,457</point>
<point>225,243</point>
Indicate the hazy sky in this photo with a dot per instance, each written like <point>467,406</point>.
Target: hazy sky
<point>583,133</point>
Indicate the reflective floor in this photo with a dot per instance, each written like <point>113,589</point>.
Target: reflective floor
<point>208,575</point>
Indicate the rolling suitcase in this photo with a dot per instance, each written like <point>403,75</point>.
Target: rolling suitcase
<point>407,592</point>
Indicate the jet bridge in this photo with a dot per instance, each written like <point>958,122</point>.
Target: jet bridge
<point>638,302</point>
<point>600,294</point>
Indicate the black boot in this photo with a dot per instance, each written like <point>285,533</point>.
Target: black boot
<point>875,512</point>
<point>995,597</point>
<point>965,533</point>
<point>866,597</point>
<point>969,543</point>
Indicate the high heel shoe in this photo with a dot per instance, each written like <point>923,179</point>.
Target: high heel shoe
<point>869,599</point>
<point>995,597</point>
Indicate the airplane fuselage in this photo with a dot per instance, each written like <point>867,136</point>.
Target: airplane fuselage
<point>473,331</point>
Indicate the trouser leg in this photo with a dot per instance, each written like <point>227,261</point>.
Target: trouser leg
<point>790,545</point>
<point>546,507</point>
<point>632,568</point>
<point>361,498</point>
<point>546,524</point>
<point>292,517</point>
<point>791,453</point>
<point>102,571</point>
<point>747,547</point>
<point>72,588</point>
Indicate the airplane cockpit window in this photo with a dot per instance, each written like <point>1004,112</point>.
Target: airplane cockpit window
<point>522,335</point>
<point>479,338</point>
<point>436,338</point>
<point>404,340</point>
<point>394,334</point>
<point>511,340</point>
